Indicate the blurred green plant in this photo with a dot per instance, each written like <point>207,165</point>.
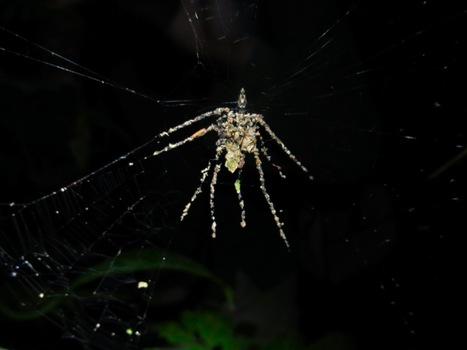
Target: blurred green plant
<point>200,331</point>
<point>210,330</point>
<point>128,263</point>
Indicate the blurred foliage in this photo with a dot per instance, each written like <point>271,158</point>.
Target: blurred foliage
<point>200,330</point>
<point>129,263</point>
<point>208,330</point>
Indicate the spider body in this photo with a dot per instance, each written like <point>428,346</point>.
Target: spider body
<point>238,135</point>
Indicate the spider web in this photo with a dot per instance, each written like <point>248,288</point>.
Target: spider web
<point>364,94</point>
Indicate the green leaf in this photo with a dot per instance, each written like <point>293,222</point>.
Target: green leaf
<point>174,333</point>
<point>203,329</point>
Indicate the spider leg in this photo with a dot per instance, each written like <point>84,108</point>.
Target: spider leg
<point>264,151</point>
<point>204,175</point>
<point>196,135</point>
<point>282,145</point>
<point>268,198</point>
<point>216,112</point>
<point>240,199</point>
<point>217,168</point>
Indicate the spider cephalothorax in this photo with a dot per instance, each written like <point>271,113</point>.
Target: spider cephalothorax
<point>238,135</point>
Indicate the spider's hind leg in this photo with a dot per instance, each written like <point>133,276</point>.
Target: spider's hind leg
<point>283,146</point>
<point>211,197</point>
<point>268,198</point>
<point>264,151</point>
<point>212,189</point>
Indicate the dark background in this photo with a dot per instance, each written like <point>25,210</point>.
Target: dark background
<point>374,114</point>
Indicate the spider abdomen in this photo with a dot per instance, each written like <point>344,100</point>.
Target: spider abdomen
<point>239,137</point>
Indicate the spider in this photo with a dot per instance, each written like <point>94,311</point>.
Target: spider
<point>239,135</point>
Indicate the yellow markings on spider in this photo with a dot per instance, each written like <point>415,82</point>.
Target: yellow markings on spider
<point>238,135</point>
<point>199,133</point>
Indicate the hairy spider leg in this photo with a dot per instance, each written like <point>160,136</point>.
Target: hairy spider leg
<point>213,189</point>
<point>282,145</point>
<point>205,173</point>
<point>264,151</point>
<point>216,112</point>
<point>268,198</point>
<point>196,135</point>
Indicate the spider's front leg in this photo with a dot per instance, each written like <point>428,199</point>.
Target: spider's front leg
<point>217,112</point>
<point>193,137</point>
<point>204,175</point>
